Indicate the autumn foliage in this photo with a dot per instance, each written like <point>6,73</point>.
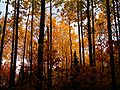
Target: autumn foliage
<point>61,45</point>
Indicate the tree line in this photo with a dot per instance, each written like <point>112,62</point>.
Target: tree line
<point>77,48</point>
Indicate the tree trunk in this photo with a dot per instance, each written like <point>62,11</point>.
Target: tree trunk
<point>48,53</point>
<point>66,56</point>
<point>12,53</point>
<point>83,54</point>
<point>16,43</point>
<point>116,28</point>
<point>40,47</point>
<point>50,71</point>
<point>62,54</point>
<point>24,49</point>
<point>111,47</point>
<point>70,43</point>
<point>89,35</point>
<point>3,35</point>
<point>31,43</point>
<point>78,18</point>
<point>93,31</point>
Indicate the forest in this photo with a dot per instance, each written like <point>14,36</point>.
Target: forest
<point>59,44</point>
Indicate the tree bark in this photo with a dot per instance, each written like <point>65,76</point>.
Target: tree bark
<point>48,53</point>
<point>111,47</point>
<point>16,44</point>
<point>3,35</point>
<point>50,71</point>
<point>12,53</point>
<point>31,44</point>
<point>70,42</point>
<point>83,53</point>
<point>89,35</point>
<point>116,28</point>
<point>78,18</point>
<point>93,31</point>
<point>40,47</point>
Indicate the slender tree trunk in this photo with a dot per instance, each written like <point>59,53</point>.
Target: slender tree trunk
<point>93,31</point>
<point>78,18</point>
<point>24,47</point>
<point>12,53</point>
<point>62,54</point>
<point>66,62</point>
<point>76,64</point>
<point>93,78</point>
<point>50,71</point>
<point>70,43</point>
<point>31,43</point>
<point>16,43</point>
<point>111,47</point>
<point>48,53</point>
<point>83,53</point>
<point>116,28</point>
<point>3,35</point>
<point>89,35</point>
<point>40,47</point>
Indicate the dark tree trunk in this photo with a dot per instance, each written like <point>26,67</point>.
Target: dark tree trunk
<point>111,47</point>
<point>70,43</point>
<point>62,53</point>
<point>12,53</point>
<point>3,35</point>
<point>48,53</point>
<point>16,43</point>
<point>50,71</point>
<point>93,31</point>
<point>83,53</point>
<point>78,18</point>
<point>116,28</point>
<point>31,43</point>
<point>40,47</point>
<point>24,47</point>
<point>76,64</point>
<point>89,35</point>
<point>66,56</point>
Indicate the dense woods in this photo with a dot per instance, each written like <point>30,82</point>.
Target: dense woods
<point>60,45</point>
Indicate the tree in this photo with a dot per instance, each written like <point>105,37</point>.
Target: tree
<point>93,31</point>
<point>3,35</point>
<point>12,53</point>
<point>48,55</point>
<point>79,31</point>
<point>89,35</point>
<point>16,44</point>
<point>24,48</point>
<point>31,45</point>
<point>41,46</point>
<point>70,43</point>
<point>83,53</point>
<point>110,46</point>
<point>116,28</point>
<point>50,64</point>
